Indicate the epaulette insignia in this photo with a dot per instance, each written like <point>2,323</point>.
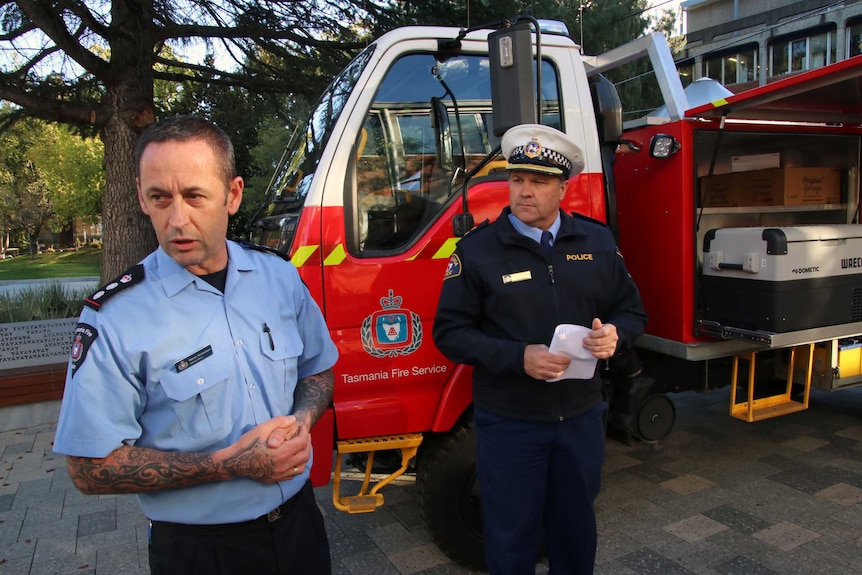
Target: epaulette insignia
<point>475,229</point>
<point>130,277</point>
<point>266,249</point>
<point>589,219</point>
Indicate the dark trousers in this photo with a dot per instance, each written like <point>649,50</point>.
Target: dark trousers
<point>535,478</point>
<point>295,544</point>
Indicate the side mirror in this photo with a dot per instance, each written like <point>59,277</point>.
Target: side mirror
<point>442,134</point>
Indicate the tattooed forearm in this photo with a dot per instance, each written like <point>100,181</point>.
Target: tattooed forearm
<point>313,395</point>
<point>132,469</point>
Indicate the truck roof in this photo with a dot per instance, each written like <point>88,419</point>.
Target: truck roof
<point>831,94</point>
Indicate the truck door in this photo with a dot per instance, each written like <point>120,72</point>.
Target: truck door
<point>395,236</point>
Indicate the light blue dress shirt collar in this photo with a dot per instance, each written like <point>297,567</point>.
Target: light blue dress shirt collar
<point>535,233</point>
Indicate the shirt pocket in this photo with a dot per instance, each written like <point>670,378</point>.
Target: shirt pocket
<point>282,348</point>
<point>197,396</point>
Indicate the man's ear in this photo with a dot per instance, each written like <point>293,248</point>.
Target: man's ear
<point>234,195</point>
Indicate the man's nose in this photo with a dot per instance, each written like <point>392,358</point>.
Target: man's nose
<point>179,214</point>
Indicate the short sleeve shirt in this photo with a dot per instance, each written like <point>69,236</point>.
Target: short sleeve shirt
<point>173,364</point>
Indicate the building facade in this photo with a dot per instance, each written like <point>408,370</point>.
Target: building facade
<point>749,43</point>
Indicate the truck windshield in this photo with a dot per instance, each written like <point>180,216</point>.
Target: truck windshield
<point>274,223</point>
<point>401,182</point>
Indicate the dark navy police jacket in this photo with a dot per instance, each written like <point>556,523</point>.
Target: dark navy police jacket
<point>502,293</point>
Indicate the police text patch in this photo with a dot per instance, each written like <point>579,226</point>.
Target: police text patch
<point>82,339</point>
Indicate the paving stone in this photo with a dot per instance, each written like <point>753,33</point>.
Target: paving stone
<point>805,443</point>
<point>736,519</point>
<point>687,484</point>
<point>786,535</point>
<point>97,522</point>
<point>695,528</point>
<point>854,432</point>
<point>119,560</point>
<point>742,566</point>
<point>842,494</point>
<point>13,449</point>
<point>418,559</point>
<point>19,566</point>
<point>648,562</point>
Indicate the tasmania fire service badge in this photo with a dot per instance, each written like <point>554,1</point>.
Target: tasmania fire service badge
<point>391,331</point>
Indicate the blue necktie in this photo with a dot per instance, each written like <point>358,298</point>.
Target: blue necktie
<point>546,242</point>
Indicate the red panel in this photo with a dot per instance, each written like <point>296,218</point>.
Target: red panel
<point>656,205</point>
<point>390,378</point>
<point>323,443</point>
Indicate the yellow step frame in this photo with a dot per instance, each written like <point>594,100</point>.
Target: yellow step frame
<point>366,501</point>
<point>774,405</point>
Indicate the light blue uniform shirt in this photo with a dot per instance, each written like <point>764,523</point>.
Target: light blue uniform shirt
<point>173,364</point>
<point>535,233</point>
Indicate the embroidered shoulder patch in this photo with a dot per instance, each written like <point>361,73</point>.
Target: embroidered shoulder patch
<point>453,270</point>
<point>82,339</point>
<point>132,276</point>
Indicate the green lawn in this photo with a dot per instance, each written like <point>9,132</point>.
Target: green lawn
<point>81,263</point>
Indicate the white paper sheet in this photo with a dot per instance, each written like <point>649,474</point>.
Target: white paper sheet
<point>569,340</point>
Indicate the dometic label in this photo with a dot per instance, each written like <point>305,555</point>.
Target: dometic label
<point>392,331</point>
<point>394,373</point>
<point>809,270</point>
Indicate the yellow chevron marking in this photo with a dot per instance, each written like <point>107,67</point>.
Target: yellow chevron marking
<point>335,257</point>
<point>447,249</point>
<point>302,254</point>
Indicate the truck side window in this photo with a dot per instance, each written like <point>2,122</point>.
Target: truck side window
<point>400,185</point>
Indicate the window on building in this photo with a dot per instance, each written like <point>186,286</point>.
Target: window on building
<point>685,69</point>
<point>854,36</point>
<point>802,53</point>
<point>734,68</point>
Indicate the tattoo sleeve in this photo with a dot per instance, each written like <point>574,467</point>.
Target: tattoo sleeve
<point>313,395</point>
<point>131,469</point>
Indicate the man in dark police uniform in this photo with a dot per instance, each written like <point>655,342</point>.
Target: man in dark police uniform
<point>508,286</point>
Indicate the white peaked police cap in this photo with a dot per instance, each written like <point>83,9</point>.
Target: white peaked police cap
<point>539,148</point>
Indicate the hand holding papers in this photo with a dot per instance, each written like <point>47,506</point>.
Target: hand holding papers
<point>568,340</point>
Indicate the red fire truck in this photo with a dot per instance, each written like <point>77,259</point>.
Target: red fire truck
<point>737,216</point>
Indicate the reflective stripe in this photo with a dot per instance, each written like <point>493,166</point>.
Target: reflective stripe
<point>446,250</point>
<point>301,255</point>
<point>336,256</point>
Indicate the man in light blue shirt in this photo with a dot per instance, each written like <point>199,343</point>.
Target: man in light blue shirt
<point>195,377</point>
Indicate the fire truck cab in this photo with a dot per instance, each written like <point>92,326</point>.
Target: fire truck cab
<point>401,155</point>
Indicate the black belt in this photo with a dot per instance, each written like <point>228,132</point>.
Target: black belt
<point>281,511</point>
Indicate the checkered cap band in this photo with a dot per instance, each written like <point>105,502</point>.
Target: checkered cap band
<point>527,154</point>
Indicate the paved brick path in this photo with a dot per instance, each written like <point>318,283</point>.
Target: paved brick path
<point>718,496</point>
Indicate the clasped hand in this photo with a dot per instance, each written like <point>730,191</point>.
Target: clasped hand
<point>540,363</point>
<point>275,450</point>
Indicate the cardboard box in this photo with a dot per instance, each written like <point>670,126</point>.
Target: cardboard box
<point>755,162</point>
<point>720,191</point>
<point>790,187</point>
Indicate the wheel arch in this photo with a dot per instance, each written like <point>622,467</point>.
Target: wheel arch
<point>456,398</point>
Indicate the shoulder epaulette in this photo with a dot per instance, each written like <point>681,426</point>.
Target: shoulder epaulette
<point>266,249</point>
<point>475,229</point>
<point>580,216</point>
<point>130,277</point>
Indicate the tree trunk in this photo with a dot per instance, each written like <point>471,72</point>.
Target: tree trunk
<point>128,236</point>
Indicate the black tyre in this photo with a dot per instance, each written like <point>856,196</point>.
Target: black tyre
<point>655,419</point>
<point>448,493</point>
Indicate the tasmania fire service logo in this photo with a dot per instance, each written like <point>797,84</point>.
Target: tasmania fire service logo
<point>392,331</point>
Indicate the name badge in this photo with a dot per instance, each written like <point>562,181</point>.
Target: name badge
<point>517,277</point>
<point>197,356</point>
